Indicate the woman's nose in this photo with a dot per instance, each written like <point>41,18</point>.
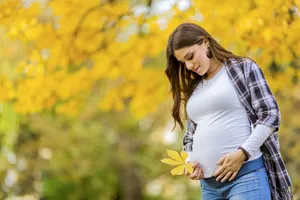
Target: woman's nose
<point>189,65</point>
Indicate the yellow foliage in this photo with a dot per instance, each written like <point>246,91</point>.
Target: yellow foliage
<point>82,42</point>
<point>71,108</point>
<point>6,88</point>
<point>176,159</point>
<point>82,47</point>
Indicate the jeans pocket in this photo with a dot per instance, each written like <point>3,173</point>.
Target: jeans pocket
<point>247,180</point>
<point>251,176</point>
<point>247,184</point>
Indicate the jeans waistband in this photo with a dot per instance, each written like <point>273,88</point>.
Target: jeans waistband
<point>246,168</point>
<point>251,166</point>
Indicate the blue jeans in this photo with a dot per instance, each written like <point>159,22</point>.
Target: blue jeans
<point>251,186</point>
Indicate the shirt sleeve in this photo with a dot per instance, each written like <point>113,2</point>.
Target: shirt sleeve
<point>258,136</point>
<point>262,98</point>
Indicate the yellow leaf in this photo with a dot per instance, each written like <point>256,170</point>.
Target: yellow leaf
<point>184,155</point>
<point>189,167</point>
<point>170,161</point>
<point>175,155</point>
<point>178,160</point>
<point>178,170</point>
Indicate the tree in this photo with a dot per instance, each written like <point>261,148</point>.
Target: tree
<point>82,58</point>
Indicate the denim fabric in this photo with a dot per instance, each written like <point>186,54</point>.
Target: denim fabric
<point>251,186</point>
<point>251,166</point>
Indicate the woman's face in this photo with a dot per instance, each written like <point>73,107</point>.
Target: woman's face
<point>194,57</point>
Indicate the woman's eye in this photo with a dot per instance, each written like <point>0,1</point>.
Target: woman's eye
<point>190,57</point>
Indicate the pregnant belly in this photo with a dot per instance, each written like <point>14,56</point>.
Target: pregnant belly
<point>208,149</point>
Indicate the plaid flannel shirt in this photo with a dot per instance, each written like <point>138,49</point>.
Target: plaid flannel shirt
<point>255,94</point>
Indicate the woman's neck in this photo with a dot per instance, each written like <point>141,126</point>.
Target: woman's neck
<point>213,69</point>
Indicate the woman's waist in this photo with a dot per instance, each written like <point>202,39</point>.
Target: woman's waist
<point>208,159</point>
<point>247,167</point>
<point>212,147</point>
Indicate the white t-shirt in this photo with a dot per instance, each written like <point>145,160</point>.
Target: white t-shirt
<point>222,122</point>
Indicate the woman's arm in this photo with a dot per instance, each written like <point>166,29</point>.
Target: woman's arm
<point>265,107</point>
<point>258,136</point>
<point>262,98</point>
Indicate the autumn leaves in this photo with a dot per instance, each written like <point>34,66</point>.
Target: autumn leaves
<point>179,161</point>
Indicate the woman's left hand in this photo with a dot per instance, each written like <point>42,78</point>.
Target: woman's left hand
<point>230,165</point>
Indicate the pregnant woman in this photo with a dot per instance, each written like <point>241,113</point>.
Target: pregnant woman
<point>232,119</point>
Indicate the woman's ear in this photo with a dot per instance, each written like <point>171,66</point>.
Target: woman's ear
<point>206,42</point>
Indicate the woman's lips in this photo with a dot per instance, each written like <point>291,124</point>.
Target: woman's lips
<point>197,68</point>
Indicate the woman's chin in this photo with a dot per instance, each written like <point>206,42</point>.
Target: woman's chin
<point>200,73</point>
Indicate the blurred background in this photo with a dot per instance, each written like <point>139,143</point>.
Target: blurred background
<point>85,108</point>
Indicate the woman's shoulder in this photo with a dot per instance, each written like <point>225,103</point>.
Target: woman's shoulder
<point>245,63</point>
<point>249,68</point>
<point>241,60</point>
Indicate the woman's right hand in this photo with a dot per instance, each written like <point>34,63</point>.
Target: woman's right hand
<point>197,173</point>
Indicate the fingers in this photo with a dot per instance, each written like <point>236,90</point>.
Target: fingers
<point>195,165</point>
<point>226,177</point>
<point>197,175</point>
<point>194,174</point>
<point>197,172</point>
<point>233,176</point>
<point>200,175</point>
<point>224,172</point>
<point>219,171</point>
<point>186,172</point>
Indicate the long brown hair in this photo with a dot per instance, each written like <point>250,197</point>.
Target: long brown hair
<point>184,81</point>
